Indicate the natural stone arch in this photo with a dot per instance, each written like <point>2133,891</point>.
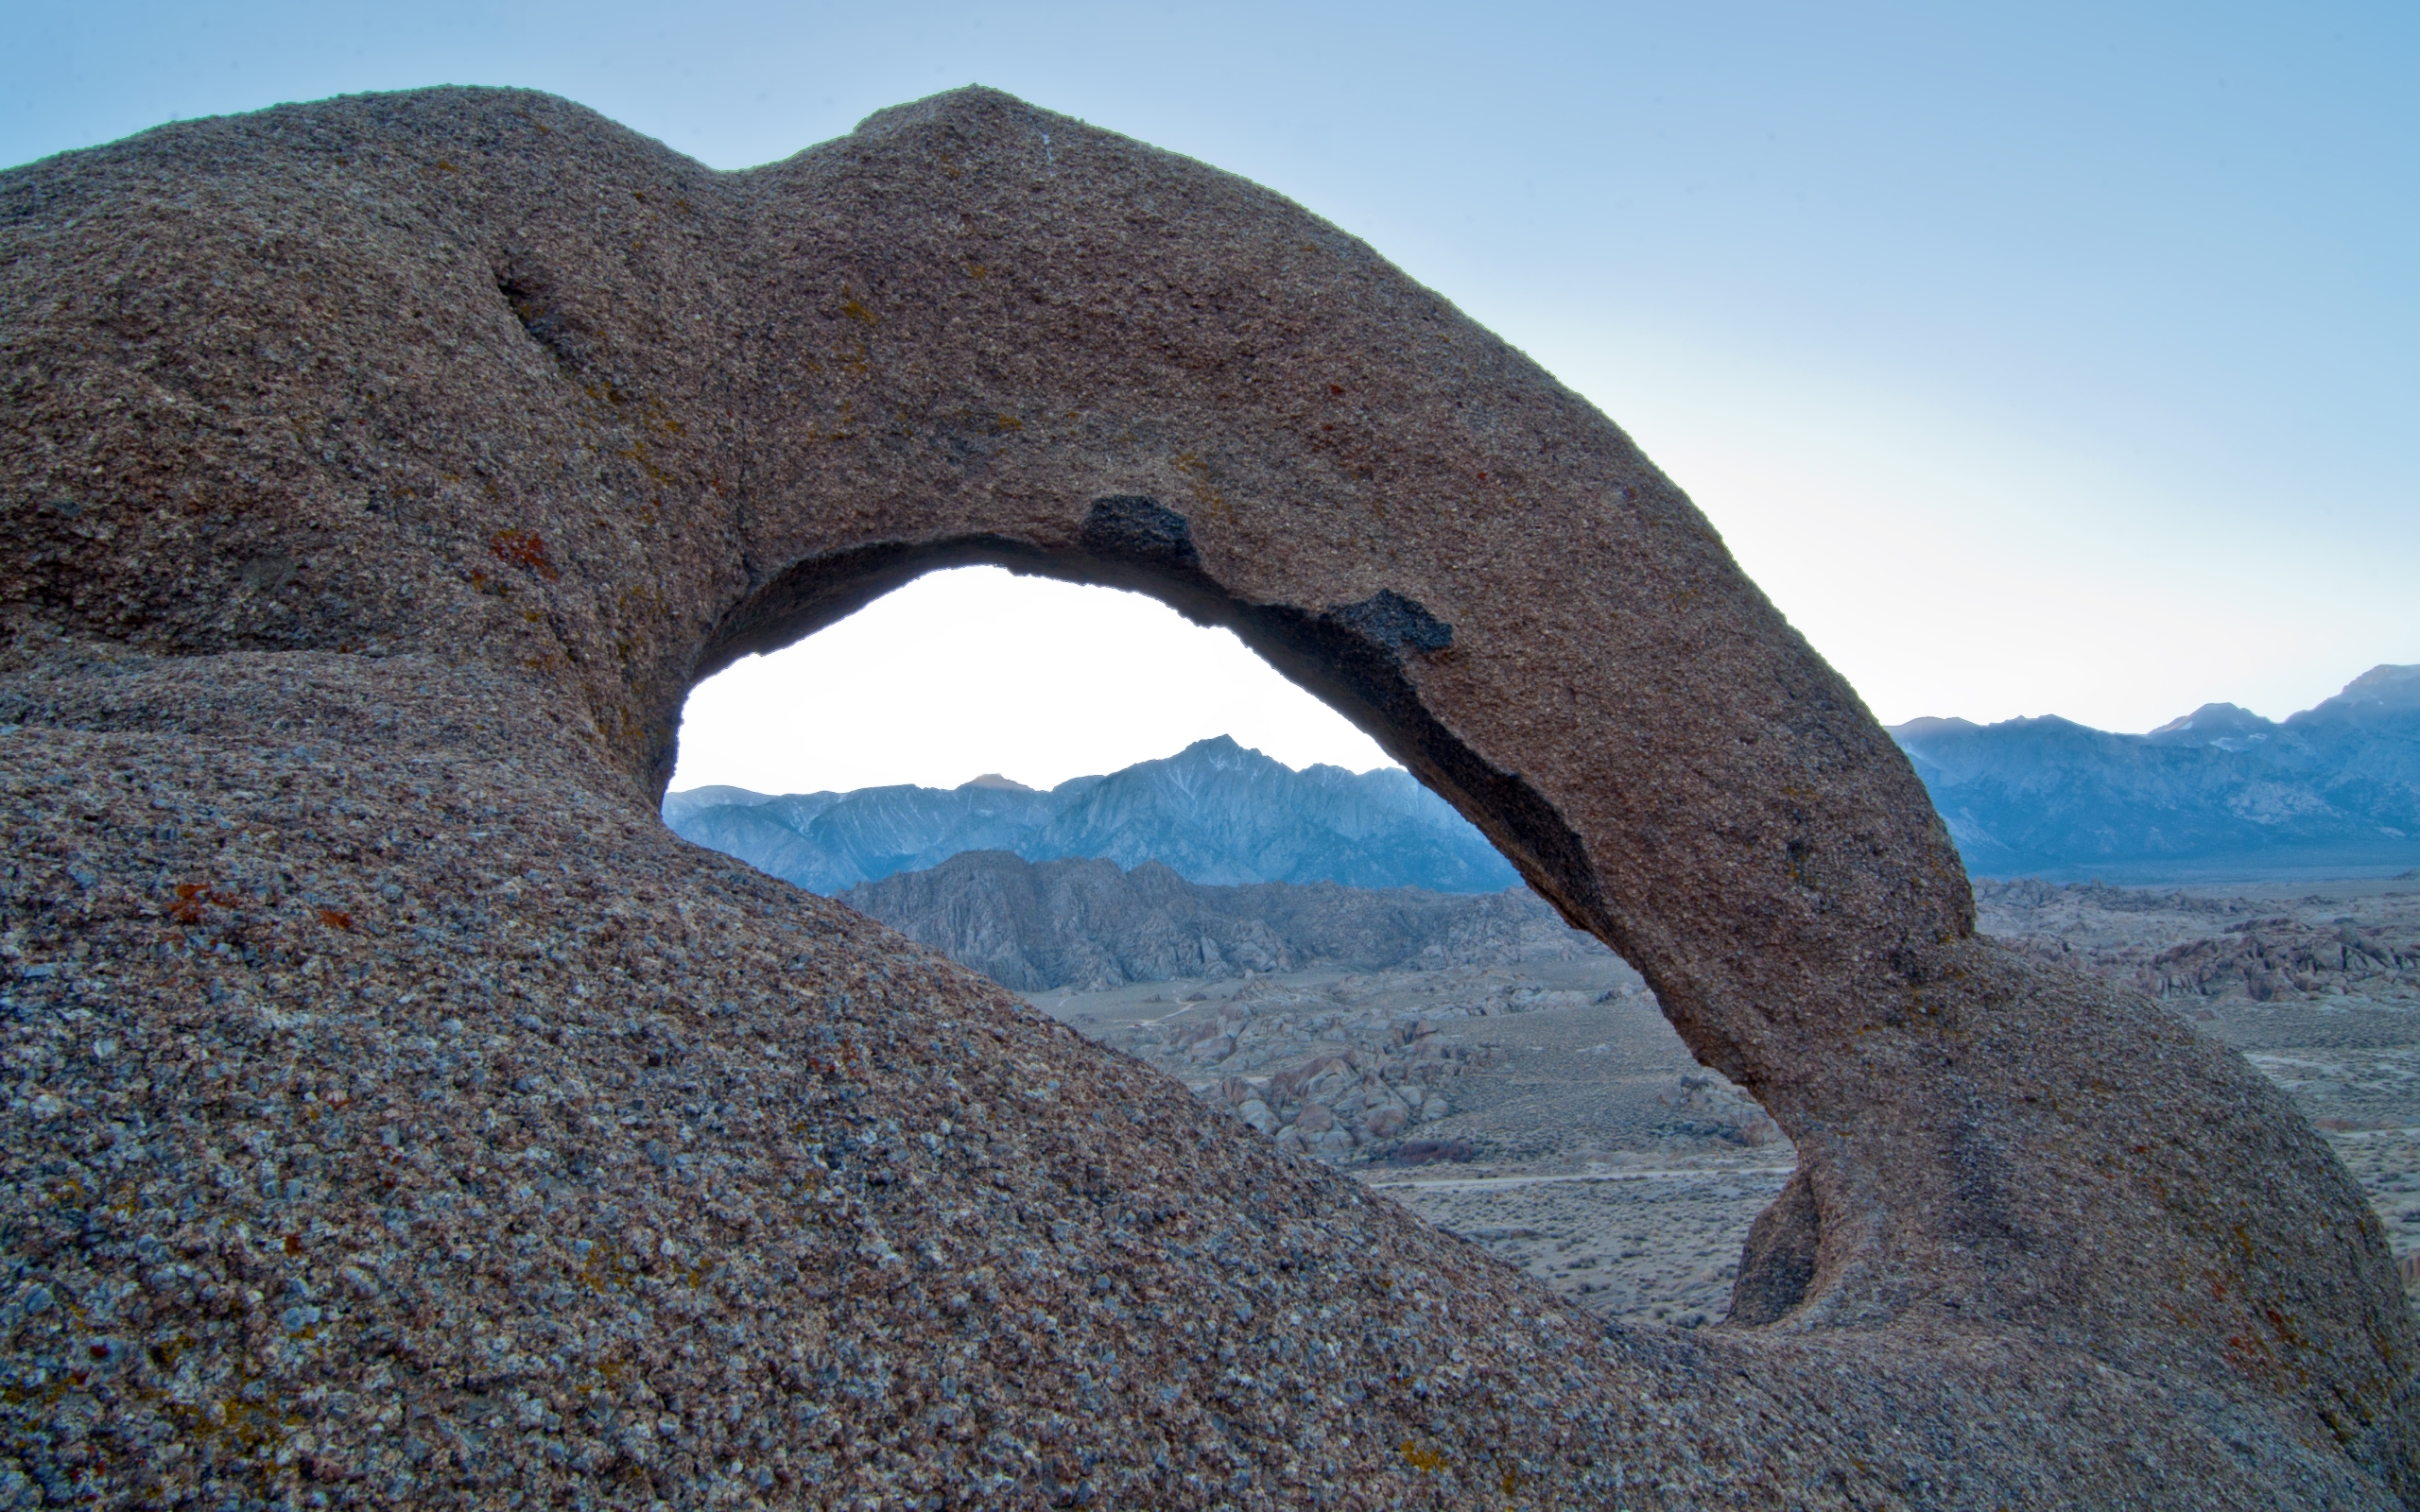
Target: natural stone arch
<point>559,423</point>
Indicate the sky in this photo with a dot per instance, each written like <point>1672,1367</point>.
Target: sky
<point>2043,359</point>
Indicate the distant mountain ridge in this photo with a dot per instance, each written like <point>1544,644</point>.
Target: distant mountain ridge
<point>2220,793</point>
<point>1088,924</point>
<point>1216,814</point>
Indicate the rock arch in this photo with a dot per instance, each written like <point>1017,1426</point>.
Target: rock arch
<point>460,432</point>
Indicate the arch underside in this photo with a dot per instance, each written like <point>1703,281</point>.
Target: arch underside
<point>1350,656</point>
<point>449,439</point>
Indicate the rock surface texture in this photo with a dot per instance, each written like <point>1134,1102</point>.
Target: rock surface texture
<point>381,1131</point>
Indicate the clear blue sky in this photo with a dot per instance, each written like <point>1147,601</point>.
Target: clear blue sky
<point>2044,358</point>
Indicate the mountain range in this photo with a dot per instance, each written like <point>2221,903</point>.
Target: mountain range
<point>1216,813</point>
<point>2220,792</point>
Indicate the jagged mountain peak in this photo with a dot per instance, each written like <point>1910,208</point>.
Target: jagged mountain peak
<point>1217,812</point>
<point>995,780</point>
<point>1928,725</point>
<point>2213,723</point>
<point>2384,688</point>
<point>2220,792</point>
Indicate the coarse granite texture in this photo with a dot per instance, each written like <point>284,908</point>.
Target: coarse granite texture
<point>379,1132</point>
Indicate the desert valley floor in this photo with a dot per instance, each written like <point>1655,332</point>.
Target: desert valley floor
<point>1545,1111</point>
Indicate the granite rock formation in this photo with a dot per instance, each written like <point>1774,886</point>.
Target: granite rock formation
<point>1091,924</point>
<point>401,1116</point>
<point>1215,813</point>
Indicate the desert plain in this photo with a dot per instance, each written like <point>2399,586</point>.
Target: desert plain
<point>1543,1110</point>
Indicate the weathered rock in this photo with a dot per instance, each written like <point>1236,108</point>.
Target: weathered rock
<point>381,474</point>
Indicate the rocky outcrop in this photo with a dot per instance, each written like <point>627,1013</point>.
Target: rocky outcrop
<point>2218,794</point>
<point>2243,950</point>
<point>400,1115</point>
<point>1215,813</point>
<point>1088,924</point>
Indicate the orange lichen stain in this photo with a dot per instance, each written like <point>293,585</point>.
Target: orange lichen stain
<point>524,548</point>
<point>1010,423</point>
<point>170,1350</point>
<point>1423,1459</point>
<point>977,271</point>
<point>638,454</point>
<point>193,897</point>
<point>443,166</point>
<point>850,307</point>
<point>2286,1330</point>
<point>335,918</point>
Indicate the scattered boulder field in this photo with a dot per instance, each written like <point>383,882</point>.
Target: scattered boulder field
<point>1540,1107</point>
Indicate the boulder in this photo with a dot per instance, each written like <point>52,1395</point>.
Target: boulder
<point>1426,1152</point>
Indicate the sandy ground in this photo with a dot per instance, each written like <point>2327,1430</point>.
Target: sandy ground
<point>1584,1144</point>
<point>1601,1158</point>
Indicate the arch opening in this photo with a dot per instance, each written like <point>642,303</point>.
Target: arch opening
<point>1458,1045</point>
<point>1351,656</point>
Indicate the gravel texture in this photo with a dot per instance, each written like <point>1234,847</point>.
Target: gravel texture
<point>384,1132</point>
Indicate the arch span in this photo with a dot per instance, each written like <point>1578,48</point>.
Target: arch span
<point>550,423</point>
<point>1351,655</point>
